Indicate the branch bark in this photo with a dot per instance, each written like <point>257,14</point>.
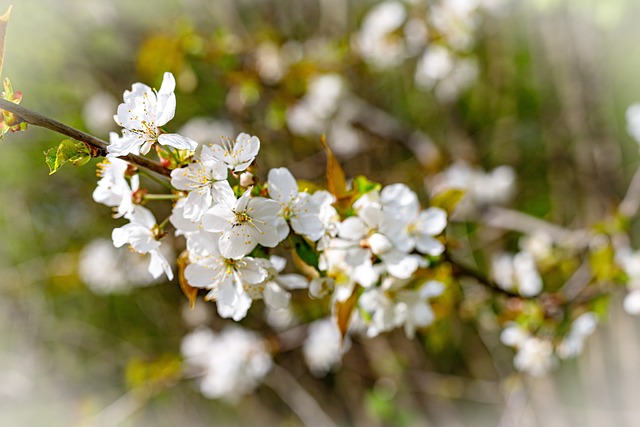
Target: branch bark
<point>37,119</point>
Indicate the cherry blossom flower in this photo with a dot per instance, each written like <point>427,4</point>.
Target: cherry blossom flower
<point>238,154</point>
<point>275,288</point>
<point>142,114</point>
<point>244,223</point>
<point>113,189</point>
<point>141,235</point>
<point>230,364</point>
<point>298,208</point>
<point>226,278</point>
<point>204,179</point>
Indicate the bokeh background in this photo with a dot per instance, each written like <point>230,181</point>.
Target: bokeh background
<point>541,86</point>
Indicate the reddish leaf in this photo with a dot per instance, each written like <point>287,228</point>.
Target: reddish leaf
<point>342,311</point>
<point>189,291</point>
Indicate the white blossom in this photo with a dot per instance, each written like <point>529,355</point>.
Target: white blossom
<point>275,287</point>
<point>204,179</point>
<point>230,364</point>
<point>243,223</point>
<point>141,235</point>
<point>227,280</point>
<point>113,188</point>
<point>239,154</point>
<point>298,208</point>
<point>142,114</point>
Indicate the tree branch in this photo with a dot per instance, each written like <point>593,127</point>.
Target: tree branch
<point>37,119</point>
<point>462,270</point>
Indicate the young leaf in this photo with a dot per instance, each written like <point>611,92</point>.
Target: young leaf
<point>68,151</point>
<point>304,250</point>
<point>448,199</point>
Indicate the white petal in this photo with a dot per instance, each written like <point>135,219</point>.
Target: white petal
<point>177,141</point>
<point>219,218</point>
<point>282,186</point>
<point>429,245</point>
<point>432,221</point>
<point>159,265</point>
<point>199,276</point>
<point>292,281</point>
<point>276,297</point>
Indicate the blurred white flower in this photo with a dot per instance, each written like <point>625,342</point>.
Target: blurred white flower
<point>535,357</point>
<point>206,131</point>
<point>573,342</point>
<point>108,270</point>
<point>230,364</point>
<point>309,116</point>
<point>323,347</point>
<point>496,187</point>
<point>517,271</point>
<point>97,112</point>
<point>377,40</point>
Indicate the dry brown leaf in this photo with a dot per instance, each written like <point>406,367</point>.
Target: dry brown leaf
<point>189,291</point>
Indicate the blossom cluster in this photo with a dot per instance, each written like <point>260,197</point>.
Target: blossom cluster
<point>233,224</point>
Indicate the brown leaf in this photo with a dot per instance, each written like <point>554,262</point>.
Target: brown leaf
<point>342,311</point>
<point>4,21</point>
<point>336,181</point>
<point>189,291</point>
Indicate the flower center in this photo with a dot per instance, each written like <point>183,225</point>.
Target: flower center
<point>242,217</point>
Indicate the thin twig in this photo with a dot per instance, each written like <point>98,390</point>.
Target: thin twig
<point>506,219</point>
<point>462,270</point>
<point>298,399</point>
<point>631,202</point>
<point>100,146</point>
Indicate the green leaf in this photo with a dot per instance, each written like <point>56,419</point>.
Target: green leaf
<point>362,185</point>
<point>305,251</point>
<point>68,151</point>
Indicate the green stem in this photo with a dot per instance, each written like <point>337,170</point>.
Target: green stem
<point>161,196</point>
<point>171,153</point>
<point>156,179</point>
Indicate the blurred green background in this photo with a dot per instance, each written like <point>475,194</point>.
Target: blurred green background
<point>553,81</point>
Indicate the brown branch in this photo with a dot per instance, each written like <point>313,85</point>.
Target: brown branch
<point>100,146</point>
<point>463,270</point>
